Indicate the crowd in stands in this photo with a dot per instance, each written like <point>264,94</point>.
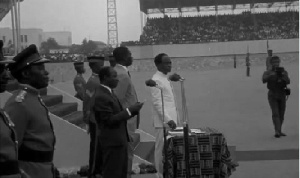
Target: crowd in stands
<point>64,57</point>
<point>201,29</point>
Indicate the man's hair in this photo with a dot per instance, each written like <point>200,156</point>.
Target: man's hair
<point>158,58</point>
<point>119,53</point>
<point>104,72</point>
<point>274,58</point>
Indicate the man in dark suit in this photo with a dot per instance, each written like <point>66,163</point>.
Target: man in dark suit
<point>112,118</point>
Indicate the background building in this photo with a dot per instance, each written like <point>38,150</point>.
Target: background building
<point>35,36</point>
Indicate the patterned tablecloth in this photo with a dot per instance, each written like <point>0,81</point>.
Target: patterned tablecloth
<point>209,156</point>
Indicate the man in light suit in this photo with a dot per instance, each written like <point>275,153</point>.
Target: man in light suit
<point>164,65</point>
<point>126,93</point>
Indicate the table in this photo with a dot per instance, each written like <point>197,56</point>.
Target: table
<point>209,155</point>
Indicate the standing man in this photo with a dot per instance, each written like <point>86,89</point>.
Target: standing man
<point>35,135</point>
<point>277,79</point>
<point>126,94</point>
<point>95,63</point>
<point>248,65</point>
<point>164,65</point>
<point>112,120</point>
<point>234,61</point>
<point>8,139</point>
<point>268,64</point>
<point>79,82</point>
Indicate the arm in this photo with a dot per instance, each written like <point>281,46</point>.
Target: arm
<point>104,112</point>
<point>122,88</point>
<point>79,88</point>
<point>267,76</point>
<point>20,118</point>
<point>157,103</point>
<point>285,77</point>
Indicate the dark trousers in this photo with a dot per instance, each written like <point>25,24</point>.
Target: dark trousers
<point>115,161</point>
<point>95,157</point>
<point>278,105</point>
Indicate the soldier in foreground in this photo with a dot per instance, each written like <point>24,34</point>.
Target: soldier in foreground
<point>27,110</point>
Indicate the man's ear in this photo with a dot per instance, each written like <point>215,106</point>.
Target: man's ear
<point>25,74</point>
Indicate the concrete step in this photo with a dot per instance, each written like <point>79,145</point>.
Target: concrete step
<point>63,109</point>
<point>75,118</point>
<point>145,150</point>
<point>52,100</point>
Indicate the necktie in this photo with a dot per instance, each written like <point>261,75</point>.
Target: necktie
<point>129,74</point>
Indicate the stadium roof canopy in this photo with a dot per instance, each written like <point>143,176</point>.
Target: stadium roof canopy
<point>163,4</point>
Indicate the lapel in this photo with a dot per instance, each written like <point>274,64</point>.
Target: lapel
<point>112,95</point>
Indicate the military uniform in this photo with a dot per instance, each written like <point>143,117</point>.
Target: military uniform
<point>79,85</point>
<point>28,112</point>
<point>89,117</point>
<point>9,167</point>
<point>34,132</point>
<point>8,148</point>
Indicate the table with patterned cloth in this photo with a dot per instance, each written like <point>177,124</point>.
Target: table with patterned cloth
<point>209,155</point>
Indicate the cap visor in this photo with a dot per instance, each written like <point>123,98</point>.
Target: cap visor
<point>41,60</point>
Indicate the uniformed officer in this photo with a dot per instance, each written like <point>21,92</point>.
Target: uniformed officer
<point>79,82</point>
<point>95,63</point>
<point>30,115</point>
<point>9,167</point>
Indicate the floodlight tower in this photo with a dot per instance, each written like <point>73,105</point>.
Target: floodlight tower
<point>112,24</point>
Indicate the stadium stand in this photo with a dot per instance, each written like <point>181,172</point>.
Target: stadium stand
<point>202,29</point>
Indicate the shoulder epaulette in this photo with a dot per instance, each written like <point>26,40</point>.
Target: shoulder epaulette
<point>10,122</point>
<point>21,96</point>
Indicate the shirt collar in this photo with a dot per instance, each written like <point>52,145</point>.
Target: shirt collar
<point>94,74</point>
<point>29,89</point>
<point>109,89</point>
<point>122,67</point>
<point>162,74</point>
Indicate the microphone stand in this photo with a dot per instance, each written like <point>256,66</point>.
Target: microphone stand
<point>185,130</point>
<point>165,173</point>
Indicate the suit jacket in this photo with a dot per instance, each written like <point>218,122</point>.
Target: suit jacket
<point>88,100</point>
<point>126,93</point>
<point>34,130</point>
<point>169,101</point>
<point>111,118</point>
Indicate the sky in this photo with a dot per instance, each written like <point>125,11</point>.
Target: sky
<point>84,18</point>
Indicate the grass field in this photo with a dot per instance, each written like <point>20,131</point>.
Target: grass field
<point>218,96</point>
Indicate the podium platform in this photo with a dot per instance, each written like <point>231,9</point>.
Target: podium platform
<point>209,155</point>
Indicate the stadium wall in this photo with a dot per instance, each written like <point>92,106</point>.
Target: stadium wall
<point>215,48</point>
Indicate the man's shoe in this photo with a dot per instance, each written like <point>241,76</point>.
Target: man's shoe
<point>282,134</point>
<point>277,135</point>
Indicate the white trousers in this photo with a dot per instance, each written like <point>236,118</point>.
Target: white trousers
<point>159,146</point>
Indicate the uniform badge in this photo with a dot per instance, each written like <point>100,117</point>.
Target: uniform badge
<point>89,93</point>
<point>21,96</point>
